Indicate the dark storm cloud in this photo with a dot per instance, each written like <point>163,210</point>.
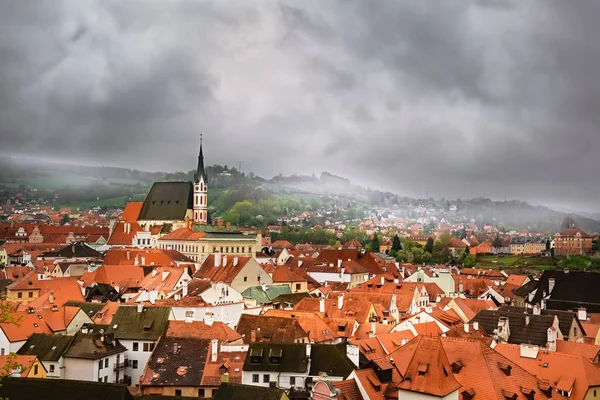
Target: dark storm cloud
<point>487,98</point>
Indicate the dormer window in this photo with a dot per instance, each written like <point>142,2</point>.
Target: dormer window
<point>422,369</point>
<point>256,356</point>
<point>275,356</point>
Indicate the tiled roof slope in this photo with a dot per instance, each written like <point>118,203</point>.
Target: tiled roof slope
<point>150,324</point>
<point>93,347</point>
<point>46,347</point>
<point>181,367</point>
<point>272,329</point>
<point>536,332</point>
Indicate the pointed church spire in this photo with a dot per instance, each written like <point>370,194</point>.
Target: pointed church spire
<point>200,171</point>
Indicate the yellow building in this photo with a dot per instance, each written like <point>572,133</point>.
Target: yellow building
<point>198,241</point>
<point>527,245</point>
<point>22,366</point>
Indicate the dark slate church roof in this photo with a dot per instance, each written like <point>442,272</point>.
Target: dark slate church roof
<point>536,332</point>
<point>168,201</point>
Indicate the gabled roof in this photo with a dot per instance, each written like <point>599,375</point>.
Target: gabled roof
<point>564,372</point>
<point>74,250</point>
<point>488,374</point>
<point>130,324</point>
<point>123,233</point>
<point>132,210</point>
<point>565,318</point>
<point>470,307</point>
<point>144,257</point>
<point>331,360</point>
<point>201,330</point>
<point>168,201</point>
<point>535,332</point>
<point>265,295</point>
<point>222,273</point>
<point>114,275</point>
<point>456,243</point>
<point>46,347</point>
<point>273,329</point>
<point>571,290</point>
<point>181,367</point>
<point>573,232</point>
<point>348,390</point>
<point>428,370</point>
<point>312,323</point>
<point>93,346</point>
<point>27,325</point>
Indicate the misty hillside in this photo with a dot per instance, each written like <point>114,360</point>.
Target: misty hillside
<point>69,184</point>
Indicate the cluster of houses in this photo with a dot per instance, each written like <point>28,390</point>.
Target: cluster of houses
<point>162,304</point>
<point>310,323</point>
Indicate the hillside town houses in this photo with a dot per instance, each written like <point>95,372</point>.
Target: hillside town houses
<point>156,301</point>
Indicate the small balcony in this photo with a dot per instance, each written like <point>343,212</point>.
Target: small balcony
<point>122,365</point>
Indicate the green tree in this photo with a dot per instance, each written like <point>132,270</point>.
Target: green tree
<point>396,243</point>
<point>429,246</point>
<point>470,261</point>
<point>65,219</point>
<point>402,256</point>
<point>375,243</point>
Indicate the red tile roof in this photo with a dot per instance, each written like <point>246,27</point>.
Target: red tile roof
<point>132,210</point>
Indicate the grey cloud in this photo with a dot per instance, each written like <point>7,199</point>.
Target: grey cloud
<point>481,98</point>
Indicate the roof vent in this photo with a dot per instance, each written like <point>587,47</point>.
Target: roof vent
<point>504,367</point>
<point>457,366</point>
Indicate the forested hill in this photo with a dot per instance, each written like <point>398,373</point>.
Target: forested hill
<point>250,199</point>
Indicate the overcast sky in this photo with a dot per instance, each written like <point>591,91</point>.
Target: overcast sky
<point>488,98</point>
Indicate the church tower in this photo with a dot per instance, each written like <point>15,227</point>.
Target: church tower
<point>200,191</point>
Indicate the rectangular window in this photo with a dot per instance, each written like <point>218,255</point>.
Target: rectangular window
<point>245,279</point>
<point>266,378</point>
<point>134,364</point>
<point>255,378</point>
<point>105,379</point>
<point>100,364</point>
<point>136,346</point>
<point>99,379</point>
<point>298,285</point>
<point>292,380</point>
<point>178,392</point>
<point>106,363</point>
<point>35,369</point>
<point>30,294</point>
<point>200,392</point>
<point>51,367</point>
<point>20,295</point>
